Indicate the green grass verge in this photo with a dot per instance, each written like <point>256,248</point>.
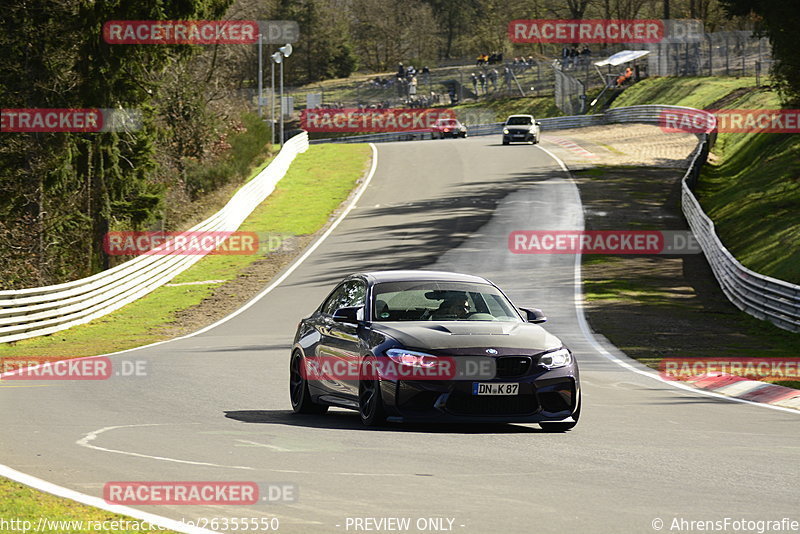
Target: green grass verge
<point>316,184</point>
<point>752,192</point>
<point>697,92</point>
<point>751,188</point>
<point>21,503</point>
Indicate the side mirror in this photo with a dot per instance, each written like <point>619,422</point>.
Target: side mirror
<point>346,315</point>
<point>537,123</point>
<point>534,315</point>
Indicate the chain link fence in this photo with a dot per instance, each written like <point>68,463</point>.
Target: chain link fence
<point>731,53</point>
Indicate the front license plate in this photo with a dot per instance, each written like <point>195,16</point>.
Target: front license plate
<point>484,388</point>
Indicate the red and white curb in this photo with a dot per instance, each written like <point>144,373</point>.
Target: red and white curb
<point>750,390</point>
<point>572,147</point>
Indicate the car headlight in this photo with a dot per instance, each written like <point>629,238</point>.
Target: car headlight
<point>505,130</point>
<point>556,358</point>
<point>412,358</point>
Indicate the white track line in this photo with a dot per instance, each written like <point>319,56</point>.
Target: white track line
<point>59,491</point>
<point>97,502</point>
<point>91,436</point>
<point>589,336</point>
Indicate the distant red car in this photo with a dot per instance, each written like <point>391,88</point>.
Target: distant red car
<point>448,128</point>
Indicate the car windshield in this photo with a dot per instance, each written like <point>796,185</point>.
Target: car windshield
<point>440,301</point>
<point>447,122</point>
<point>519,120</point>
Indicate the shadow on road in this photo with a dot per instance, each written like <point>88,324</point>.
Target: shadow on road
<point>414,235</point>
<point>345,420</point>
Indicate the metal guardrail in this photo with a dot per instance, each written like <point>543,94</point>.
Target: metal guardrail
<point>649,114</point>
<point>27,313</point>
<point>761,296</point>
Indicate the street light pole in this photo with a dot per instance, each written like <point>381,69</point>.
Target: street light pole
<point>260,77</point>
<point>281,105</point>
<point>278,57</point>
<point>272,105</point>
<point>284,51</point>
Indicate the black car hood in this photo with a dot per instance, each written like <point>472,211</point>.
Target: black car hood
<point>465,334</point>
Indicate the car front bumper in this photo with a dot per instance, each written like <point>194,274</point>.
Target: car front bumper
<point>551,396</point>
<point>518,136</point>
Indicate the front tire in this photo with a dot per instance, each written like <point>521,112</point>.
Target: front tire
<point>370,402</point>
<point>298,389</point>
<point>563,427</point>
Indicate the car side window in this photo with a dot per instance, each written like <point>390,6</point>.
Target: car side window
<point>354,293</point>
<point>331,304</point>
<point>348,294</point>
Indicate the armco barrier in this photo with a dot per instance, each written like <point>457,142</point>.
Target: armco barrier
<point>761,296</point>
<point>27,313</point>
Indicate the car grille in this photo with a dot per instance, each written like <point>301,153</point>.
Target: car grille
<point>464,404</point>
<point>508,366</point>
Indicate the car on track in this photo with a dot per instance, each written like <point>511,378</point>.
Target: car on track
<point>448,128</point>
<point>428,346</point>
<point>522,128</point>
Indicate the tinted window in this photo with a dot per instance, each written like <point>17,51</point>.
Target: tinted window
<point>432,301</point>
<point>348,294</point>
<point>519,120</point>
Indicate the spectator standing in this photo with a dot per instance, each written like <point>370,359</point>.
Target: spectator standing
<point>474,80</point>
<point>586,55</point>
<point>507,75</point>
<point>573,57</point>
<point>482,79</point>
<point>426,75</point>
<point>493,79</point>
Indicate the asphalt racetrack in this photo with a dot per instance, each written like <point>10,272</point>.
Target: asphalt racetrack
<point>215,406</point>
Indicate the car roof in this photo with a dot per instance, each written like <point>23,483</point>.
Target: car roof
<point>529,116</point>
<point>408,275</point>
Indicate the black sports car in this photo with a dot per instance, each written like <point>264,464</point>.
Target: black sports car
<point>431,346</point>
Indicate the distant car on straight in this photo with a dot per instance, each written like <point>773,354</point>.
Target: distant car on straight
<point>521,128</point>
<point>448,128</point>
<point>431,346</point>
